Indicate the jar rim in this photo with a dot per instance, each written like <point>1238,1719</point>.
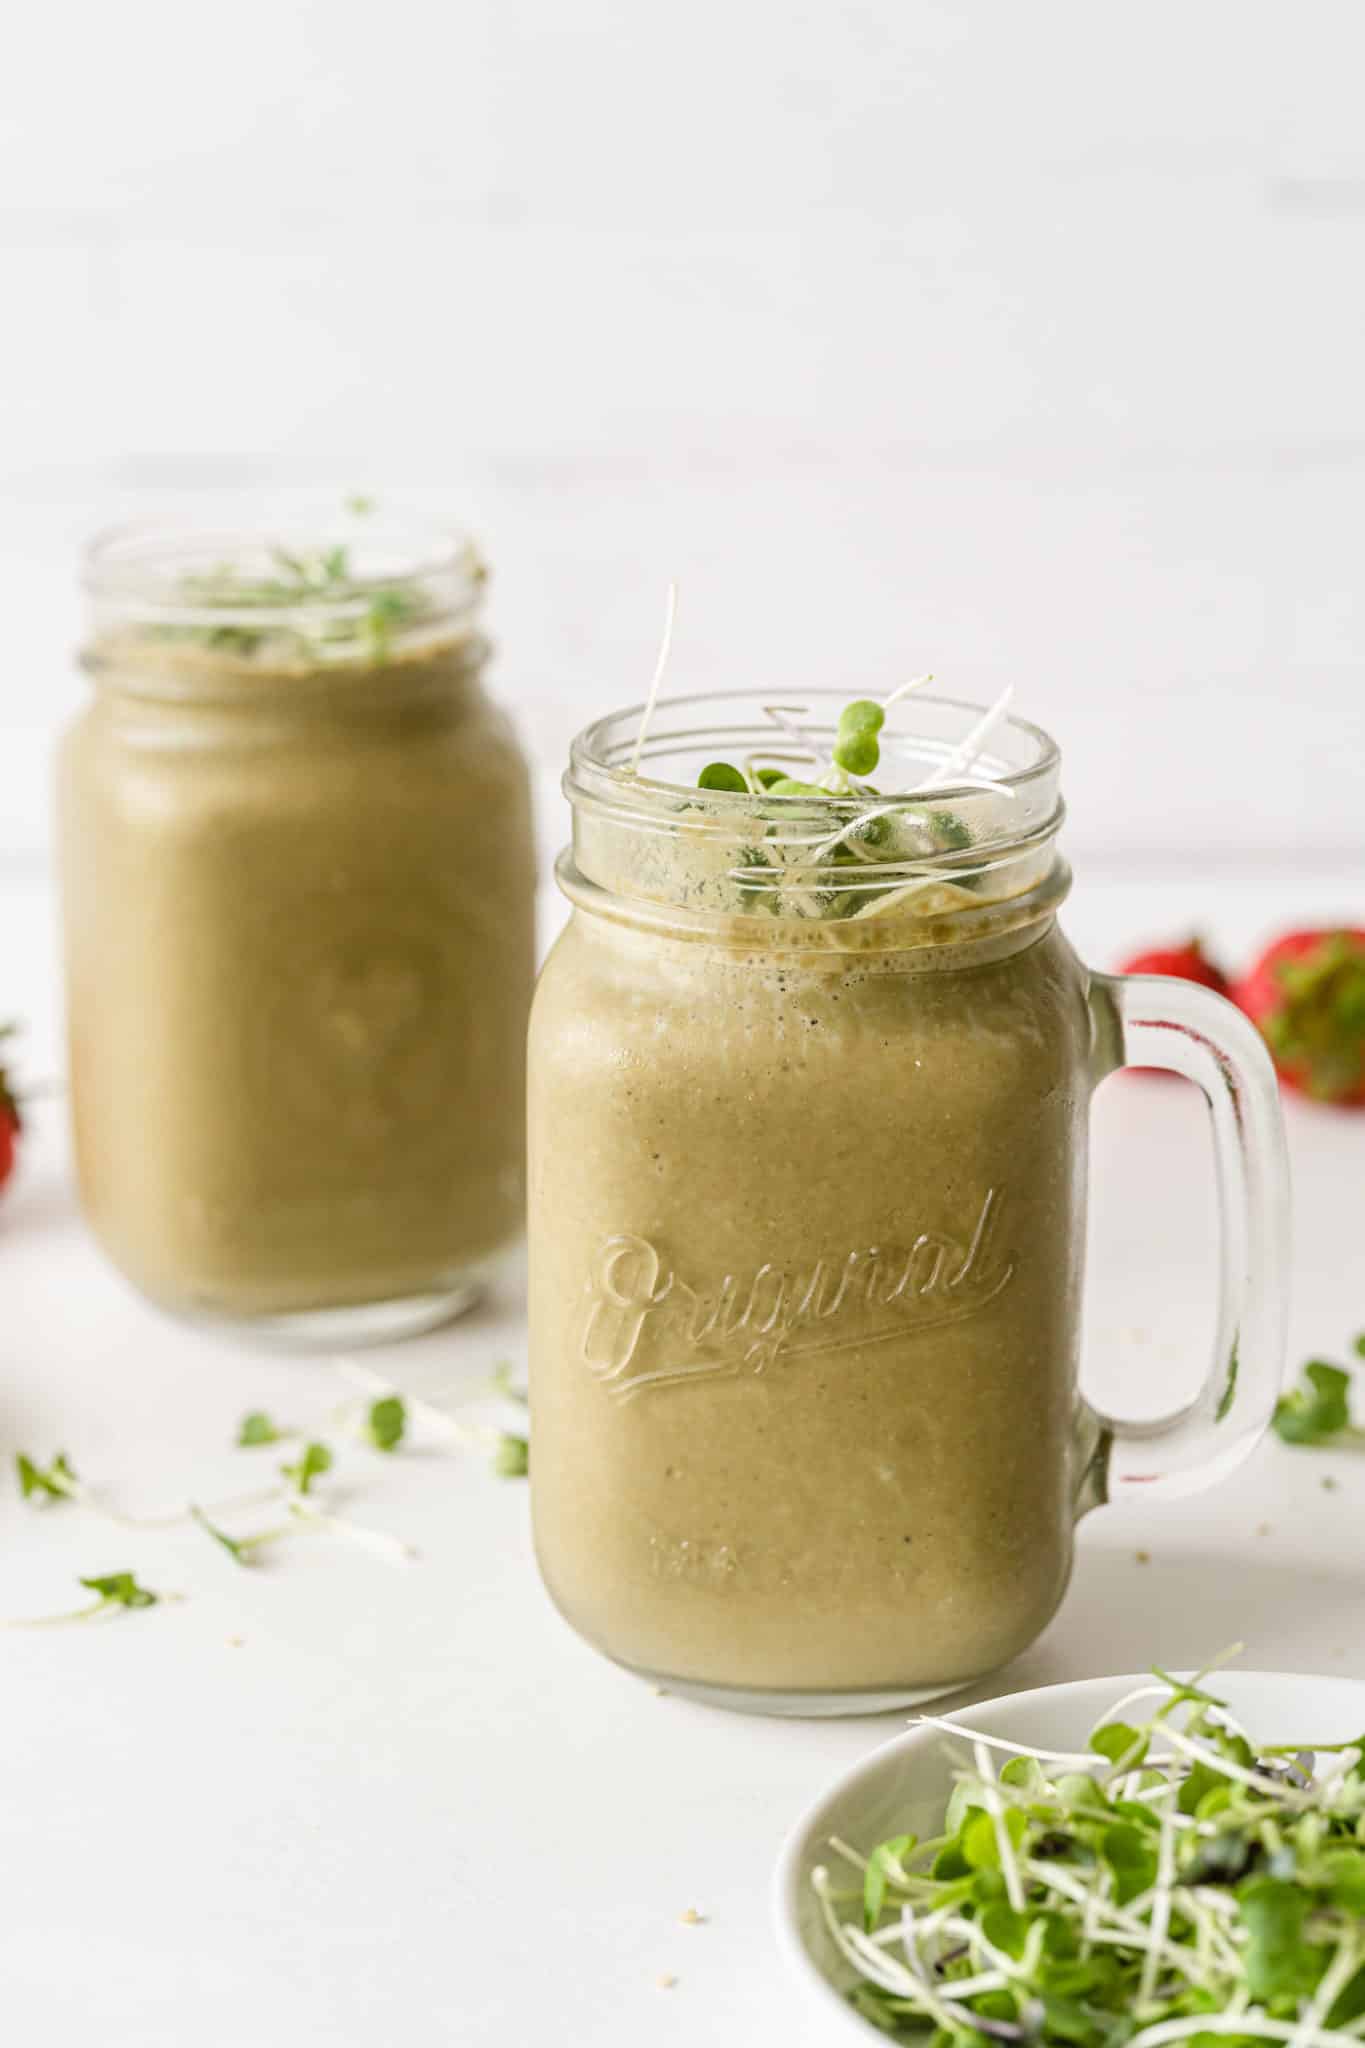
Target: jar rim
<point>141,569</point>
<point>977,823</point>
<point>598,751</point>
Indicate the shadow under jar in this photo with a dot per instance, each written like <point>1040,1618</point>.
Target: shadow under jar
<point>809,1086</point>
<point>298,891</point>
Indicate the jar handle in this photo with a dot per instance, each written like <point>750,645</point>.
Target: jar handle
<point>1149,1020</point>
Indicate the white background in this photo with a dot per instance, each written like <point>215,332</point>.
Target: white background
<point>1011,342</point>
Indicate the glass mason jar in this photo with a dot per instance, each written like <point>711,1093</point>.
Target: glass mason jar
<point>809,1086</point>
<point>298,889</point>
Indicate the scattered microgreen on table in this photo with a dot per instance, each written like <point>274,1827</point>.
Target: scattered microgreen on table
<point>116,1593</point>
<point>385,1424</point>
<point>1318,1410</point>
<point>241,1549</point>
<point>312,1462</point>
<point>56,1481</point>
<point>257,1429</point>
<point>1171,1883</point>
<point>120,1589</point>
<point>386,1421</point>
<point>512,1458</point>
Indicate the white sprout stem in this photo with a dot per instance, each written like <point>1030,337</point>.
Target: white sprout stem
<point>236,1503</point>
<point>1096,1903</point>
<point>1334,1980</point>
<point>1042,1756</point>
<point>661,663</point>
<point>97,1609</point>
<point>780,714</point>
<point>1009,1866</point>
<point>1130,1699</point>
<point>910,1940</point>
<point>1227,1656</point>
<point>849,1855</point>
<point>1160,1920</point>
<point>1236,2023</point>
<point>879,1968</point>
<point>391,1548</point>
<point>1127,1926</point>
<point>963,756</point>
<point>915,683</point>
<point>972,1987</point>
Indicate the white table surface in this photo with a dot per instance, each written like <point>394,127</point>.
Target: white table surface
<point>335,1801</point>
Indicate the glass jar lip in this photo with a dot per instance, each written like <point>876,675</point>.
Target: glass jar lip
<point>139,567</point>
<point>601,754</point>
<point>976,816</point>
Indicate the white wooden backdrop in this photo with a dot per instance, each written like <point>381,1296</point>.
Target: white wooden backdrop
<point>1008,341</point>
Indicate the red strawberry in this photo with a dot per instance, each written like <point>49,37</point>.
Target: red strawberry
<point>9,1118</point>
<point>1187,963</point>
<point>1306,996</point>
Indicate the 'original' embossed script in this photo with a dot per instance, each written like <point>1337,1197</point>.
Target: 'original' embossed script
<point>647,1326</point>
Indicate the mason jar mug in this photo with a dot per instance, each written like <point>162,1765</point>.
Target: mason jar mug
<point>809,1085</point>
<point>298,892</point>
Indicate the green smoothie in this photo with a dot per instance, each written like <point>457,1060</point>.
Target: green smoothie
<point>806,1243</point>
<point>298,888</point>
<point>808,1084</point>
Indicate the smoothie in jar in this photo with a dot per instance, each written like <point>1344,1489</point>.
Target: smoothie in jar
<point>298,891</point>
<point>807,1150</point>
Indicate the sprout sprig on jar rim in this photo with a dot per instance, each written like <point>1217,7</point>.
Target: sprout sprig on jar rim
<point>786,824</point>
<point>352,591</point>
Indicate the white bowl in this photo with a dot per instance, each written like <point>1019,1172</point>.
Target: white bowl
<point>903,1787</point>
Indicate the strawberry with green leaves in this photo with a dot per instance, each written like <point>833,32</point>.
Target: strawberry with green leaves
<point>1306,996</point>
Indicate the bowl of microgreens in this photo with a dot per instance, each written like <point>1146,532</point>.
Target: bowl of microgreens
<point>1119,1863</point>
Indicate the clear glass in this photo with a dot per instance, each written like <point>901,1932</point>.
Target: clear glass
<point>298,893</point>
<point>807,1199</point>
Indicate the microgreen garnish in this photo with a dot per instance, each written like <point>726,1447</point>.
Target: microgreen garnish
<point>660,664</point>
<point>119,1589</point>
<point>313,1461</point>
<point>385,1422</point>
<point>115,1592</point>
<point>322,607</point>
<point>56,1481</point>
<point>239,1548</point>
<point>1170,1883</point>
<point>233,1545</point>
<point>256,1429</point>
<point>512,1458</point>
<point>720,775</point>
<point>1318,1410</point>
<point>503,1384</point>
<point>878,855</point>
<point>857,749</point>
